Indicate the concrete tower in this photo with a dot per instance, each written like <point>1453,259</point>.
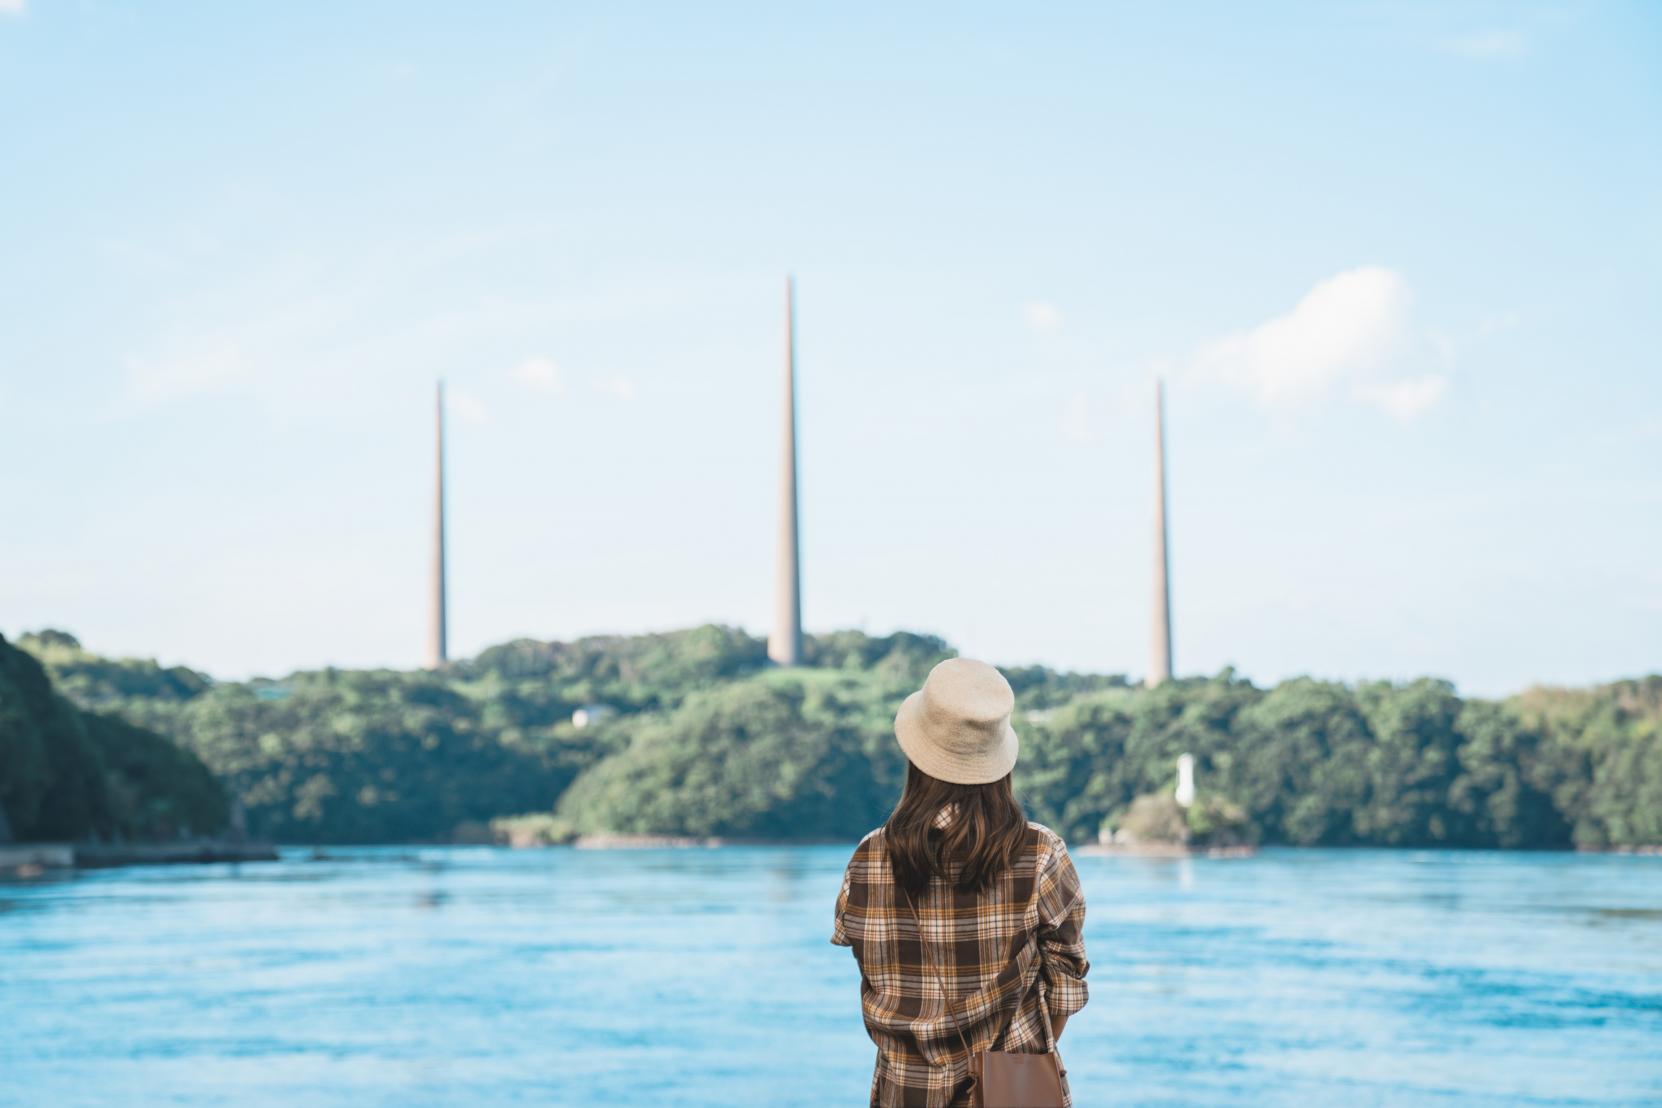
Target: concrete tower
<point>437,630</point>
<point>785,641</point>
<point>1159,661</point>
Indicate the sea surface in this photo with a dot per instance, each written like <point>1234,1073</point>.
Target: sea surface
<point>477,976</point>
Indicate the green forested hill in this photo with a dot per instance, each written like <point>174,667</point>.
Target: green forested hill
<point>780,755</point>
<point>707,740</point>
<point>71,774</point>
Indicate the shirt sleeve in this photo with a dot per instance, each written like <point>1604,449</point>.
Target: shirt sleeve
<point>1062,934</point>
<point>838,934</point>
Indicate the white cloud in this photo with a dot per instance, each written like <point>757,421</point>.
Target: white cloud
<point>544,374</point>
<point>12,7</point>
<point>1489,43</point>
<point>1042,316</point>
<point>621,387</point>
<point>465,404</point>
<point>541,374</point>
<point>1346,326</point>
<point>1351,333</point>
<point>1408,398</point>
<point>211,364</point>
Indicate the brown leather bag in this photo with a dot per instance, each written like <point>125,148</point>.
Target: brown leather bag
<point>999,1078</point>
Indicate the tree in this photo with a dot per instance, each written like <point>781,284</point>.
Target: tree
<point>51,778</point>
<point>156,790</point>
<point>1500,795</point>
<point>67,774</point>
<point>779,756</point>
<point>1411,765</point>
<point>1300,763</point>
<point>707,736</point>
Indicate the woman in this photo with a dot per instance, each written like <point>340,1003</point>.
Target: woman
<point>994,899</point>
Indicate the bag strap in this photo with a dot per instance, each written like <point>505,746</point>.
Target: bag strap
<point>946,994</point>
<point>1044,1013</point>
<point>928,956</point>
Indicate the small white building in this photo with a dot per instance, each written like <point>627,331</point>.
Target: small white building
<point>591,713</point>
<point>1186,780</point>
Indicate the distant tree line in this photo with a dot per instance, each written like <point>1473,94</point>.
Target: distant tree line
<point>1318,763</point>
<point>707,740</point>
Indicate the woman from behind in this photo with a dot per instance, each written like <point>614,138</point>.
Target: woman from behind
<point>966,919</point>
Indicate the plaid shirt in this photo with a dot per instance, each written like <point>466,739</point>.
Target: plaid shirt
<point>1003,953</point>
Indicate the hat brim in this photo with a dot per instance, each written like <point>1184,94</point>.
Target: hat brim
<point>944,765</point>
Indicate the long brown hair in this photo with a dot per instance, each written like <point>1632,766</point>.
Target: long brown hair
<point>985,835</point>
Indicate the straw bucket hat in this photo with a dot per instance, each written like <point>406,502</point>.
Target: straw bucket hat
<point>957,727</point>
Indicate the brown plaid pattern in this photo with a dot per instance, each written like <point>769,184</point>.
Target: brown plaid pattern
<point>1002,953</point>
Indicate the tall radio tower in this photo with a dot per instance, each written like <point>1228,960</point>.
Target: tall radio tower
<point>437,647</point>
<point>785,641</point>
<point>1159,662</point>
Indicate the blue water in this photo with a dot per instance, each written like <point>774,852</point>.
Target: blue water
<point>703,977</point>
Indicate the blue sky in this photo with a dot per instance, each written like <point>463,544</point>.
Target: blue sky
<point>1398,263</point>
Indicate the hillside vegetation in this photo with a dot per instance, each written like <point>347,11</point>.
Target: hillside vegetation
<point>706,740</point>
<point>73,774</point>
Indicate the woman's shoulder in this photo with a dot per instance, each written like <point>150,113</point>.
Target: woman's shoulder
<point>1048,842</point>
<point>872,843</point>
<point>870,858</point>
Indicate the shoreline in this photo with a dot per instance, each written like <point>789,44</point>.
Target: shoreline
<point>1123,850</point>
<point>1164,850</point>
<point>29,860</point>
<point>610,841</point>
<point>37,859</point>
